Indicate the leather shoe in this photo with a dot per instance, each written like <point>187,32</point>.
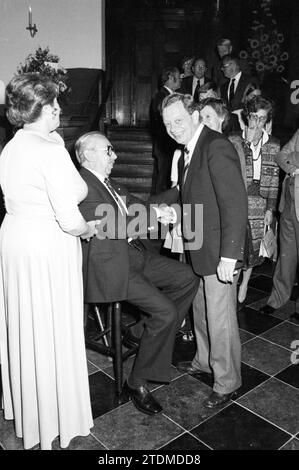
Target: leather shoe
<point>188,367</point>
<point>129,340</point>
<point>143,399</point>
<point>266,310</point>
<point>218,399</point>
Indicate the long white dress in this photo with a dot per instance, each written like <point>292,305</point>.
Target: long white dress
<point>42,351</point>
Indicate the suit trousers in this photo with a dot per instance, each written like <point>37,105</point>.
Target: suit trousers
<point>163,289</point>
<point>217,333</point>
<point>286,267</point>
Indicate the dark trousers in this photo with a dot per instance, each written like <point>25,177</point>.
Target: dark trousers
<point>163,289</point>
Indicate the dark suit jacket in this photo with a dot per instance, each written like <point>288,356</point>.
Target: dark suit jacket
<point>237,102</point>
<point>216,73</point>
<point>106,262</point>
<point>163,145</point>
<point>186,85</point>
<point>214,181</point>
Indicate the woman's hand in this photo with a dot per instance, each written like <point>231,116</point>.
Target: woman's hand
<point>91,230</point>
<point>250,132</point>
<point>268,217</point>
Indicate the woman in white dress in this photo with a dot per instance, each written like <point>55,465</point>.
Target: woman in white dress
<point>42,351</point>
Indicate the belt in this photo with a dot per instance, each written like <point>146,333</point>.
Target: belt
<point>136,243</point>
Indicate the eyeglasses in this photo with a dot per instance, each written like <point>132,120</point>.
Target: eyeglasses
<point>109,149</point>
<point>255,117</point>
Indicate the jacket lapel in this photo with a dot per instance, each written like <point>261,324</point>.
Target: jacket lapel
<point>195,160</point>
<point>90,177</point>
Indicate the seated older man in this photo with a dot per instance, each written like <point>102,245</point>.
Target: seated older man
<point>118,268</point>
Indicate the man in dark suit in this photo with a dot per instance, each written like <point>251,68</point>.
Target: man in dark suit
<point>192,84</point>
<point>224,47</point>
<point>163,145</point>
<point>234,90</point>
<point>118,267</point>
<point>210,178</point>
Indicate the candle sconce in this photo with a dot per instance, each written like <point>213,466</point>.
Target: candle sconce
<point>31,28</point>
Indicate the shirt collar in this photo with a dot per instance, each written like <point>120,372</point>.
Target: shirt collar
<point>191,144</point>
<point>236,77</point>
<point>100,177</point>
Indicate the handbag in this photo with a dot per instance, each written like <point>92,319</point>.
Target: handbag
<point>268,244</point>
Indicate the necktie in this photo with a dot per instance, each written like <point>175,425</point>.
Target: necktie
<point>187,163</point>
<point>196,92</point>
<point>231,93</point>
<point>118,199</point>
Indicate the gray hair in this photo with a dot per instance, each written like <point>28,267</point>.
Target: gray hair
<point>82,143</point>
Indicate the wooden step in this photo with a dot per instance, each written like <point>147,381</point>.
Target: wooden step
<point>135,185</point>
<point>128,158</point>
<point>129,133</point>
<point>132,146</point>
<point>132,170</point>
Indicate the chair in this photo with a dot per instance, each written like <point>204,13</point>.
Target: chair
<point>109,338</point>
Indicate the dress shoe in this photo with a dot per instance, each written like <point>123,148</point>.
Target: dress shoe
<point>218,399</point>
<point>129,340</point>
<point>188,367</point>
<point>143,399</point>
<point>266,310</point>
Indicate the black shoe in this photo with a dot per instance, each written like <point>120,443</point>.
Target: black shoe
<point>129,340</point>
<point>266,310</point>
<point>218,399</point>
<point>188,367</point>
<point>143,399</point>
<point>240,305</point>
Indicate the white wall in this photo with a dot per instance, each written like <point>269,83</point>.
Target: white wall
<point>73,30</point>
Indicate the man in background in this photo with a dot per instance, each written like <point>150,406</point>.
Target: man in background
<point>163,145</point>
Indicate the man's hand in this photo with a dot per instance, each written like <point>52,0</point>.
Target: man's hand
<point>268,218</point>
<point>225,270</point>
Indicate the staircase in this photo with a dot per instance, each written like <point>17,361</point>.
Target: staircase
<point>134,165</point>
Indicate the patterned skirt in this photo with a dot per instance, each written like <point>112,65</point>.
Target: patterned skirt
<point>255,225</point>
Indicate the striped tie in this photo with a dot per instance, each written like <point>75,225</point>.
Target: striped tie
<point>187,163</point>
<point>116,196</point>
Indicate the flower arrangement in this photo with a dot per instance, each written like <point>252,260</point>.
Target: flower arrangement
<point>265,53</point>
<point>48,64</point>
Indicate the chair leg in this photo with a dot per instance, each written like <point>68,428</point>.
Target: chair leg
<point>118,363</point>
<point>101,325</point>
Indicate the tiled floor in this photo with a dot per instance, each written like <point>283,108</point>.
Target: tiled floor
<point>265,414</point>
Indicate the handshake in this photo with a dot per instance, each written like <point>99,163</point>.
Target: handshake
<point>166,215</point>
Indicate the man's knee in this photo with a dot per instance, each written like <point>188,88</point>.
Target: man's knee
<point>166,318</point>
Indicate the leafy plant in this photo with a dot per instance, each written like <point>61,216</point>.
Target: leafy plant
<point>43,61</point>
